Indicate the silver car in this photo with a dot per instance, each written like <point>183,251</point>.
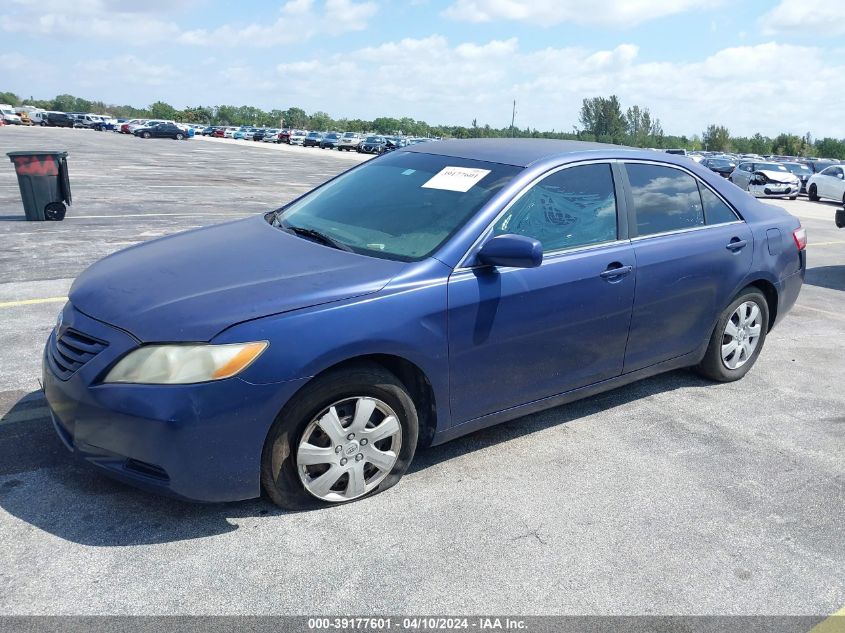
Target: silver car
<point>766,180</point>
<point>349,141</point>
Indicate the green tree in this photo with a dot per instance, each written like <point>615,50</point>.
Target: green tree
<point>321,121</point>
<point>296,117</point>
<point>787,144</point>
<point>716,138</point>
<point>760,144</point>
<point>389,125</point>
<point>162,110</point>
<point>9,98</point>
<point>603,119</point>
<point>831,148</point>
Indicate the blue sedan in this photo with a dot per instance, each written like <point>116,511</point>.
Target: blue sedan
<point>426,294</point>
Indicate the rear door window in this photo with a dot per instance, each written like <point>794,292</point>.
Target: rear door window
<point>715,210</point>
<point>665,199</point>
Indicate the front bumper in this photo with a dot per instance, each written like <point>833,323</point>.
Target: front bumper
<point>199,442</point>
<point>774,190</point>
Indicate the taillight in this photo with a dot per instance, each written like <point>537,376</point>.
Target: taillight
<point>800,237</point>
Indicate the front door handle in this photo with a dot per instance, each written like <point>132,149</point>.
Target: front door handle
<point>615,271</point>
<point>736,244</point>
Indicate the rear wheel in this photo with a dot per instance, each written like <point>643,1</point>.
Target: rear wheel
<point>348,434</point>
<point>146,135</point>
<point>738,338</point>
<point>813,193</point>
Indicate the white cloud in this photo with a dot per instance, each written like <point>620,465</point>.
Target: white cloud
<point>429,78</point>
<point>617,13</point>
<point>140,70</point>
<point>92,18</point>
<point>299,22</point>
<point>349,16</point>
<point>813,17</point>
<point>154,21</point>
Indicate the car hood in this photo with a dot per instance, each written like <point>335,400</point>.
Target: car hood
<point>778,176</point>
<point>192,285</point>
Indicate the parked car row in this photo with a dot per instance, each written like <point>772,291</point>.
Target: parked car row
<point>778,176</point>
<point>342,141</point>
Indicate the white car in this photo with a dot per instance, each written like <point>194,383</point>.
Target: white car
<point>7,113</point>
<point>828,183</point>
<point>349,141</point>
<point>297,137</point>
<point>766,180</point>
<point>230,132</point>
<point>134,124</point>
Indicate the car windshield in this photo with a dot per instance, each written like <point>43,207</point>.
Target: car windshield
<point>720,162</point>
<point>402,206</point>
<point>349,135</point>
<point>798,169</point>
<point>373,139</point>
<point>770,167</point>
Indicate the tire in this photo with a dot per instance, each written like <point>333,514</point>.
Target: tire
<point>793,197</point>
<point>146,135</point>
<point>716,365</point>
<point>179,137</point>
<point>284,481</point>
<point>55,212</point>
<point>43,124</point>
<point>813,194</point>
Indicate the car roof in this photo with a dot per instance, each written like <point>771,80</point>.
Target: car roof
<point>522,152</point>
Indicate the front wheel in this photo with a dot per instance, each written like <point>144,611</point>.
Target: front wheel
<point>146,135</point>
<point>179,137</point>
<point>737,339</point>
<point>813,193</point>
<point>348,434</point>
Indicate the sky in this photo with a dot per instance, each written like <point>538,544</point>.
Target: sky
<point>765,66</point>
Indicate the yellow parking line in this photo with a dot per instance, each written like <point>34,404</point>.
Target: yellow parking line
<point>834,623</point>
<point>30,302</point>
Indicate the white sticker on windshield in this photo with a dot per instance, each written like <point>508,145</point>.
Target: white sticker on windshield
<point>456,178</point>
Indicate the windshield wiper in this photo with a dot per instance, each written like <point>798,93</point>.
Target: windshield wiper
<point>316,236</point>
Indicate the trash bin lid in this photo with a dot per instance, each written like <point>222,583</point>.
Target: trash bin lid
<point>42,152</point>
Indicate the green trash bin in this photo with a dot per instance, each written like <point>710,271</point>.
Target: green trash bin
<point>44,183</point>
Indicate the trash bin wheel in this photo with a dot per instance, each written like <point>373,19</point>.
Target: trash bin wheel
<point>55,211</point>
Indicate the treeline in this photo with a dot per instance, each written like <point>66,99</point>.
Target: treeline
<point>601,119</point>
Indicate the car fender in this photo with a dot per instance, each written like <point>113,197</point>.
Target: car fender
<point>407,319</point>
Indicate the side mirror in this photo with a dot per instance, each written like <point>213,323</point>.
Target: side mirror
<point>516,251</point>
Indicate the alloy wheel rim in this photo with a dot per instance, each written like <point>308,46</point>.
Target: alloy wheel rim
<point>348,449</point>
<point>741,335</point>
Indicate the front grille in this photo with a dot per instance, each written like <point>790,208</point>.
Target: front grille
<point>71,350</point>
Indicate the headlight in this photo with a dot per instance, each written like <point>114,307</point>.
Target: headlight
<point>185,364</point>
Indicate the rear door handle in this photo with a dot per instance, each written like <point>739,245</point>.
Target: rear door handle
<point>615,271</point>
<point>736,244</point>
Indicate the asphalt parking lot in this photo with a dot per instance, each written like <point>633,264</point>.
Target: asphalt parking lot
<point>670,496</point>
